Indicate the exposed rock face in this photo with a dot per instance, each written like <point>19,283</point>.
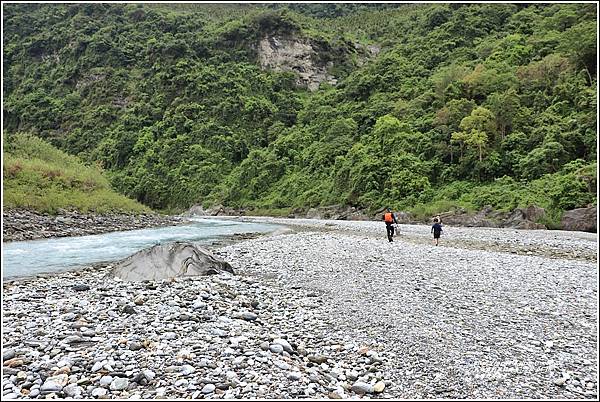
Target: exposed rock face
<point>580,219</point>
<point>168,261</point>
<point>281,53</point>
<point>217,210</point>
<point>525,218</point>
<point>337,212</point>
<point>519,218</point>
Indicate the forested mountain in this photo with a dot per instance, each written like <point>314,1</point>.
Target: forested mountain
<point>284,106</point>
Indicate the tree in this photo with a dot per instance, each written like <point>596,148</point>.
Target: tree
<point>478,139</point>
<point>580,43</point>
<point>479,126</point>
<point>504,106</point>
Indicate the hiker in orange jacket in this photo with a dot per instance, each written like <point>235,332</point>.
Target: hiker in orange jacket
<point>389,218</point>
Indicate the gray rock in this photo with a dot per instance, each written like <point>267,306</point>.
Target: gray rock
<point>286,345</point>
<point>317,358</point>
<point>73,390</point>
<point>149,374</point>
<point>80,288</point>
<point>99,392</point>
<point>129,309</point>
<point>133,346</point>
<point>186,369</point>
<point>248,316</point>
<point>294,376</point>
<point>181,383</point>
<point>119,384</point>
<point>276,348</point>
<point>97,366</point>
<point>165,261</point>
<point>49,387</point>
<point>55,383</point>
<point>208,388</point>
<point>106,380</point>
<point>219,332</point>
<point>8,354</point>
<point>580,219</point>
<point>560,381</point>
<point>281,365</point>
<point>361,388</point>
<point>69,317</point>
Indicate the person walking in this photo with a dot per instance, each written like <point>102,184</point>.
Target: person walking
<point>390,219</point>
<point>436,229</point>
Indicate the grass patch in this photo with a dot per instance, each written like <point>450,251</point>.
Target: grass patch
<point>38,176</point>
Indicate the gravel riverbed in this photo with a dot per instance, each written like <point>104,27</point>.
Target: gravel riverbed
<point>330,310</point>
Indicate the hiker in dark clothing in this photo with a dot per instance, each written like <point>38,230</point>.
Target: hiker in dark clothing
<point>436,229</point>
<point>389,219</point>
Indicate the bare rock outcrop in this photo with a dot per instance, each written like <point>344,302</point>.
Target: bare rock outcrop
<point>519,218</point>
<point>166,261</point>
<point>580,219</point>
<point>525,218</point>
<point>283,53</point>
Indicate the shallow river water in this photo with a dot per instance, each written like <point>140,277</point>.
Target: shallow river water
<point>25,258</point>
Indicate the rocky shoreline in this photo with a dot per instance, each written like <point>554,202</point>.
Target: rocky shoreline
<point>329,311</point>
<point>20,225</point>
<point>580,219</point>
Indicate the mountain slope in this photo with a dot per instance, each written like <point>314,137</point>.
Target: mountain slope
<point>38,176</point>
<point>412,106</point>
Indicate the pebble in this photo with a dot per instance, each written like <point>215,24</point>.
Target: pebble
<point>8,354</point>
<point>99,392</point>
<point>276,348</point>
<point>97,366</point>
<point>106,380</point>
<point>339,318</point>
<point>119,384</point>
<point>362,388</point>
<point>286,345</point>
<point>379,387</point>
<point>294,376</point>
<point>149,374</point>
<point>187,369</point>
<point>248,316</point>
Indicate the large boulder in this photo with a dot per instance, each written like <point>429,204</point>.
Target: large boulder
<point>524,218</point>
<point>196,210</point>
<point>580,219</point>
<point>487,217</point>
<point>337,212</point>
<point>520,218</point>
<point>215,210</point>
<point>166,261</point>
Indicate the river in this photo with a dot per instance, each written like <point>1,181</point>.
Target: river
<point>27,258</point>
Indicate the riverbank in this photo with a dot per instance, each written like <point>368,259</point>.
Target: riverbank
<point>329,311</point>
<point>23,224</point>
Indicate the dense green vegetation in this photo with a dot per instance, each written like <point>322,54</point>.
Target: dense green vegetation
<point>464,106</point>
<point>38,176</point>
